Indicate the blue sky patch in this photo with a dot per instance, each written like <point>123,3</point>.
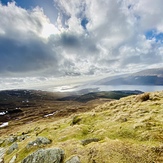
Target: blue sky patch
<point>84,22</point>
<point>153,34</point>
<point>47,5</point>
<point>23,3</point>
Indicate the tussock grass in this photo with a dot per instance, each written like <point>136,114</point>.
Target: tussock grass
<point>129,130</point>
<point>143,97</point>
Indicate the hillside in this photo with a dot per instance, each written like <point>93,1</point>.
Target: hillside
<point>31,105</point>
<point>128,130</point>
<point>150,72</point>
<point>145,77</point>
<point>100,95</point>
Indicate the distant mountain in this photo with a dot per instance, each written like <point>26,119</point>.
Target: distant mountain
<point>150,72</point>
<point>145,77</point>
<point>31,105</point>
<point>101,94</point>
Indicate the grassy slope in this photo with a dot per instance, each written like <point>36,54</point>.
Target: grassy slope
<point>130,130</point>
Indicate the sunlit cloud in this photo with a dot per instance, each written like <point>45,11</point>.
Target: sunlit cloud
<point>87,38</point>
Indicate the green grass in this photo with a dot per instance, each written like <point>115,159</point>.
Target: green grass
<point>129,131</point>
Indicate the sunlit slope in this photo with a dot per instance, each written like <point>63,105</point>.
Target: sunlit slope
<point>128,130</point>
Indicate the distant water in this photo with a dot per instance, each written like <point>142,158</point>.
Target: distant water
<point>143,88</point>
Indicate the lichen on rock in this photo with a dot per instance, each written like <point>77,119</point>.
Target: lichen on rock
<point>53,155</point>
<point>38,142</point>
<point>13,147</point>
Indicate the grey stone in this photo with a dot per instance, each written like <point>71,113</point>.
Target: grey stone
<point>13,147</point>
<point>38,142</point>
<point>53,155</point>
<point>74,159</point>
<point>42,140</point>
<point>10,140</point>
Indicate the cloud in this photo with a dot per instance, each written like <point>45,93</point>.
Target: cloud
<point>116,34</point>
<point>24,50</point>
<point>89,37</point>
<point>25,56</point>
<point>149,13</point>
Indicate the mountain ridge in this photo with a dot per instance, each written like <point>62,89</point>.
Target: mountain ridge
<point>144,77</point>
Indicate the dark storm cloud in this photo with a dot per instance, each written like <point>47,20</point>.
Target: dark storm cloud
<point>21,56</point>
<point>69,40</point>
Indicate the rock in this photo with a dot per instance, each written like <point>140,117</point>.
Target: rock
<point>88,141</point>
<point>74,159</point>
<point>38,142</point>
<point>10,140</point>
<point>12,148</point>
<point>53,155</point>
<point>13,160</point>
<point>42,140</point>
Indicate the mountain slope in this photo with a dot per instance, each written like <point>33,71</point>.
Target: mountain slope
<point>30,105</point>
<point>145,77</point>
<point>100,95</point>
<point>128,130</point>
<point>150,72</point>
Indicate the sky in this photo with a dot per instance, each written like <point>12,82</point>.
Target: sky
<point>45,39</point>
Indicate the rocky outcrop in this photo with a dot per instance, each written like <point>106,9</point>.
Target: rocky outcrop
<point>74,159</point>
<point>38,142</point>
<point>53,155</point>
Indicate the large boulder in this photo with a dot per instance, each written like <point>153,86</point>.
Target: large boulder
<point>53,155</point>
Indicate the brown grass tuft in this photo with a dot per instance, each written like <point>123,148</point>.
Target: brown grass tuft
<point>142,97</point>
